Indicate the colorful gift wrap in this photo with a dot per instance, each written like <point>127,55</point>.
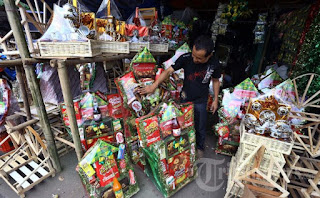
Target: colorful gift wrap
<point>188,113</point>
<point>246,89</point>
<point>180,51</point>
<point>179,166</point>
<point>144,70</point>
<point>285,91</point>
<point>170,173</point>
<point>128,84</point>
<point>270,81</point>
<point>98,167</point>
<point>144,57</point>
<point>86,105</point>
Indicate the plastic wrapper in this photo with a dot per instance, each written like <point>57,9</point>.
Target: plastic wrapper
<point>148,130</point>
<point>182,50</point>
<point>229,137</point>
<point>77,109</point>
<point>188,113</point>
<point>246,89</point>
<point>270,81</point>
<point>128,84</point>
<point>136,22</point>
<point>231,104</point>
<point>285,91</point>
<point>86,105</point>
<point>102,104</point>
<point>167,26</point>
<point>108,8</point>
<point>128,88</point>
<point>87,75</point>
<point>62,28</point>
<point>109,26</point>
<point>5,95</point>
<point>115,105</point>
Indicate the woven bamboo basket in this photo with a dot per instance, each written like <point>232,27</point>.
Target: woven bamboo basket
<point>136,47</point>
<point>69,49</point>
<point>159,47</point>
<point>114,47</point>
<point>270,143</point>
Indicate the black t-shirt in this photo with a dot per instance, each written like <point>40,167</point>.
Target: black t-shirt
<point>196,77</point>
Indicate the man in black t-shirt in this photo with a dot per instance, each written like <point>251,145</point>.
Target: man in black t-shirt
<point>199,68</point>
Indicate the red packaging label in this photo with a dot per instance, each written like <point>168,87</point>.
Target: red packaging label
<point>188,112</point>
<point>106,176</point>
<point>144,70</point>
<point>77,111</point>
<point>159,72</point>
<point>102,96</point>
<point>179,167</point>
<point>164,166</point>
<point>167,31</point>
<point>131,176</point>
<point>151,128</point>
<point>115,105</point>
<point>166,128</point>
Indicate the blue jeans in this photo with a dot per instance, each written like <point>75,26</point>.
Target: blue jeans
<point>200,118</point>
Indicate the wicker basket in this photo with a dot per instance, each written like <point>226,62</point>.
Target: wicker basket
<point>69,49</point>
<point>136,47</point>
<point>159,47</point>
<point>114,47</point>
<point>270,143</point>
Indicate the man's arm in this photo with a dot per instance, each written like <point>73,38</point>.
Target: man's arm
<point>163,76</point>
<point>216,89</point>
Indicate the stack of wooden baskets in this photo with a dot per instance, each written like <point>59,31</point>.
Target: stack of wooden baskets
<point>259,165</point>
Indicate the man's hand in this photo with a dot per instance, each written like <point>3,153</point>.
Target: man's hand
<point>147,89</point>
<point>214,106</point>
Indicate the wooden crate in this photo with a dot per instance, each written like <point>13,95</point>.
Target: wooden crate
<point>234,189</point>
<point>253,176</point>
<point>270,143</point>
<point>159,47</point>
<point>69,49</point>
<point>245,150</point>
<point>136,47</point>
<point>114,47</point>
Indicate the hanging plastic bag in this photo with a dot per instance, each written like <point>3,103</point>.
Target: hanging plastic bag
<point>87,75</point>
<point>135,22</point>
<point>61,28</point>
<point>5,94</point>
<point>108,8</point>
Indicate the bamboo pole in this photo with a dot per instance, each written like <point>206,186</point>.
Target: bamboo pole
<point>316,181</point>
<point>67,96</point>
<point>23,91</point>
<point>16,27</point>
